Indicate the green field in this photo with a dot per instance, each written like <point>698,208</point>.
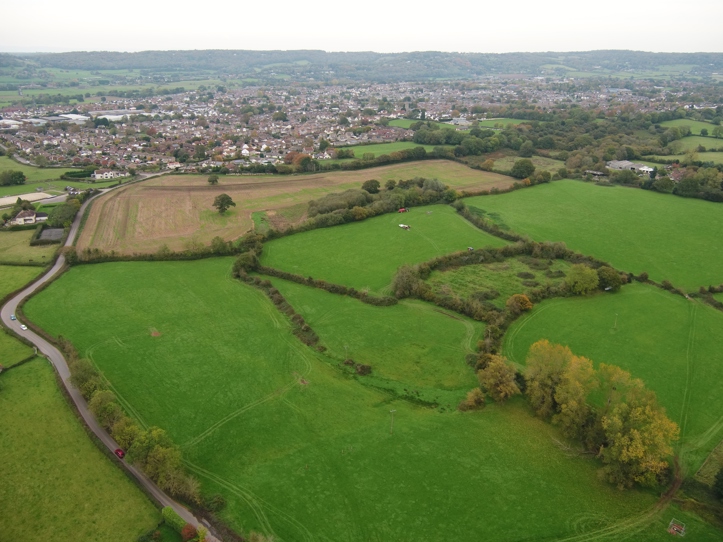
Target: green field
<point>15,248</point>
<point>411,345</point>
<point>304,451</point>
<point>634,230</point>
<point>502,277</point>
<point>695,125</point>
<point>33,174</point>
<point>500,123</point>
<point>715,157</point>
<point>367,254</point>
<point>386,148</point>
<point>669,342</point>
<point>692,142</point>
<point>541,163</point>
<point>13,277</point>
<point>406,123</point>
<point>57,486</point>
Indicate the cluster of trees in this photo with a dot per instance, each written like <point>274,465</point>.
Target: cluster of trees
<point>150,449</point>
<point>62,216</point>
<point>624,426</point>
<point>20,205</point>
<point>10,177</point>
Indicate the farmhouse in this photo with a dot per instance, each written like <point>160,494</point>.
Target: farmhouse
<point>29,217</point>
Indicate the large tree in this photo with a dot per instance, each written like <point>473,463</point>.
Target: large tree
<point>10,177</point>
<point>582,279</point>
<point>498,379</point>
<point>522,168</point>
<point>223,202</point>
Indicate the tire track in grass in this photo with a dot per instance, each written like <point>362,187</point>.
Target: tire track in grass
<point>689,366</point>
<point>258,505</point>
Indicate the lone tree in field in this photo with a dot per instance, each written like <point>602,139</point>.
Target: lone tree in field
<point>223,202</point>
<point>522,168</point>
<point>371,186</point>
<point>213,179</point>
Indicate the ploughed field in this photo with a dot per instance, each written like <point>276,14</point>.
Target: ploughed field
<point>303,448</point>
<point>668,237</point>
<point>177,210</point>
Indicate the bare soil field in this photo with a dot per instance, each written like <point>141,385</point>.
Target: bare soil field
<point>176,210</point>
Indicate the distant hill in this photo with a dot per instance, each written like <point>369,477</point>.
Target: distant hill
<point>320,65</point>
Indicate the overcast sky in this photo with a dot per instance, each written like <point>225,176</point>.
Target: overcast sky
<point>372,25</point>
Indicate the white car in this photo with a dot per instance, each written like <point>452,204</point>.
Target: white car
<point>23,327</point>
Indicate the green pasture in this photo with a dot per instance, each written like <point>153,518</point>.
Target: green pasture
<point>13,277</point>
<point>406,123</point>
<point>670,238</point>
<point>695,125</point>
<point>541,163</point>
<point>304,451</point>
<point>367,254</point>
<point>500,123</point>
<point>693,142</point>
<point>715,157</point>
<point>412,344</point>
<point>54,188</point>
<point>671,343</point>
<point>57,485</point>
<point>15,249</point>
<point>502,277</point>
<point>32,173</point>
<point>385,148</point>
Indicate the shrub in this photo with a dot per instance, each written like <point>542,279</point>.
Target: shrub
<point>609,278</point>
<point>498,379</point>
<point>475,400</point>
<point>172,519</point>
<point>188,532</point>
<point>518,303</point>
<point>582,279</point>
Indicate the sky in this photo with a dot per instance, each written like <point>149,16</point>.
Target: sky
<point>373,25</point>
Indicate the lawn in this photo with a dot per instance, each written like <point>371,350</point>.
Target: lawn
<point>669,237</point>
<point>410,346</point>
<point>501,277</point>
<point>15,248</point>
<point>367,254</point>
<point>671,343</point>
<point>302,450</point>
<point>33,174</point>
<point>57,485</point>
<point>13,277</point>
<point>695,125</point>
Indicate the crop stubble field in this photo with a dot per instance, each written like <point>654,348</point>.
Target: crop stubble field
<point>177,210</point>
<point>225,368</point>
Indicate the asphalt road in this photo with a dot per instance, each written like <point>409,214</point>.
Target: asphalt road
<point>56,358</point>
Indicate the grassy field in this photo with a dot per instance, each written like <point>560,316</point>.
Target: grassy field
<point>671,343</point>
<point>695,125</point>
<point>33,174</point>
<point>502,277</point>
<point>367,254</point>
<point>57,485</point>
<point>406,123</point>
<point>634,230</point>
<point>411,345</point>
<point>692,142</point>
<point>177,210</point>
<point>13,277</point>
<point>385,148</point>
<point>541,163</point>
<point>715,157</point>
<point>305,452</point>
<point>53,188</point>
<point>15,248</point>
<point>500,123</point>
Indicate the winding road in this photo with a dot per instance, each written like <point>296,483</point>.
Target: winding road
<point>56,358</point>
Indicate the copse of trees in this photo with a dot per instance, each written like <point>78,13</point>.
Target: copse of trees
<point>10,177</point>
<point>626,428</point>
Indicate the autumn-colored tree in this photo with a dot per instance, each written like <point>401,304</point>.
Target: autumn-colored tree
<point>571,393</point>
<point>475,399</point>
<point>638,436</point>
<point>518,303</point>
<point>498,379</point>
<point>546,363</point>
<point>188,532</point>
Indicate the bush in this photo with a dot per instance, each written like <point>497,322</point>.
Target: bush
<point>582,280</point>
<point>172,519</point>
<point>609,278</point>
<point>475,400</point>
<point>188,532</point>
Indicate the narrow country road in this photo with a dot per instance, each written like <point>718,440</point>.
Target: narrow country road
<point>56,358</point>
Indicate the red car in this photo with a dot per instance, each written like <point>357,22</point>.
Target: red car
<point>403,210</point>
<point>120,453</point>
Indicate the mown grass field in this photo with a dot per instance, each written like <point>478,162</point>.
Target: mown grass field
<point>715,157</point>
<point>177,210</point>
<point>499,123</point>
<point>671,343</point>
<point>13,277</point>
<point>367,254</point>
<point>502,277</point>
<point>15,248</point>
<point>317,460</point>
<point>695,125</point>
<point>541,163</point>
<point>411,346</point>
<point>669,237</point>
<point>57,486</point>
<point>693,142</point>
<point>33,174</point>
<point>385,148</point>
